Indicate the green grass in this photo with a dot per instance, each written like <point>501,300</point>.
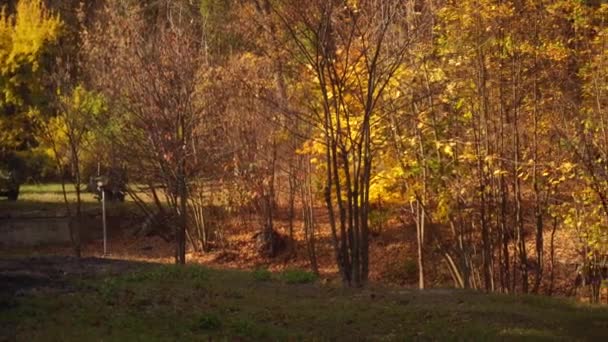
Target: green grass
<point>163,303</point>
<point>297,276</point>
<point>49,198</point>
<point>262,274</point>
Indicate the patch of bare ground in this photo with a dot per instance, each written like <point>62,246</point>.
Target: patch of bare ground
<point>19,276</point>
<point>392,253</point>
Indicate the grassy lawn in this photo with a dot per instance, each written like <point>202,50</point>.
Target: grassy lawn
<point>52,193</point>
<point>169,303</point>
<point>49,198</point>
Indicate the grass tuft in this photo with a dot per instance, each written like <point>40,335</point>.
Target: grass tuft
<point>297,276</point>
<point>262,274</point>
<point>170,272</point>
<point>209,322</point>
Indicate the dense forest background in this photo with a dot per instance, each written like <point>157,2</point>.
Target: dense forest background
<point>478,124</point>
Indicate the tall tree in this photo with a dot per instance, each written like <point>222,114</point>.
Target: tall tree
<point>150,71</point>
<point>26,36</point>
<point>351,51</point>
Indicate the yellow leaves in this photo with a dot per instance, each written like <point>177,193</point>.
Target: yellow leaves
<point>527,48</point>
<point>567,167</point>
<point>23,39</point>
<point>437,75</point>
<point>468,116</point>
<point>456,61</point>
<point>385,186</point>
<point>444,207</point>
<point>447,149</point>
<point>555,51</point>
<point>34,26</point>
<point>47,151</point>
<point>523,175</point>
<point>58,126</point>
<point>5,35</point>
<point>467,154</point>
<point>499,172</point>
<point>311,147</point>
<point>24,35</point>
<point>560,174</point>
<point>353,5</point>
<point>557,180</point>
<point>583,215</point>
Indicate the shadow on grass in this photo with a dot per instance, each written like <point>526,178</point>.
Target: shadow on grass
<point>197,303</point>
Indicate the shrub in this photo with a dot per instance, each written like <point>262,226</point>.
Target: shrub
<point>378,219</point>
<point>250,330</point>
<point>410,268</point>
<point>36,166</point>
<point>297,276</point>
<point>193,273</point>
<point>244,327</point>
<point>209,322</point>
<point>262,274</point>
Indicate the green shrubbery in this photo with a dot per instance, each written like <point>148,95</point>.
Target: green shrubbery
<point>262,274</point>
<point>297,276</point>
<point>209,322</point>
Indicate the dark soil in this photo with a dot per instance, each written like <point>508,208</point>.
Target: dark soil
<point>21,276</point>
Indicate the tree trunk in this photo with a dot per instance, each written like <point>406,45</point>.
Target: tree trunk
<point>75,230</point>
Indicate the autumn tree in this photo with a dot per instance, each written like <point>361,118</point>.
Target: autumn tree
<point>585,212</point>
<point>351,52</point>
<point>150,71</point>
<point>69,135</point>
<point>26,36</point>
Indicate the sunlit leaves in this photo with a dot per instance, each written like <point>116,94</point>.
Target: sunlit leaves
<point>78,122</point>
<point>23,38</point>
